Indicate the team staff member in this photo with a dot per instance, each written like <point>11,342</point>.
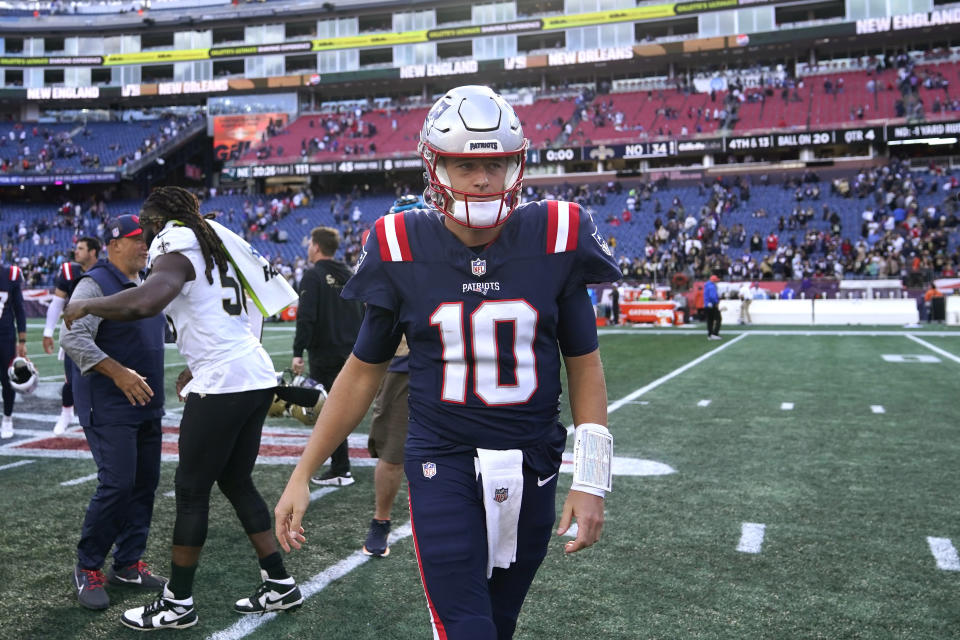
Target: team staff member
<point>119,400</point>
<point>228,388</point>
<point>327,327</point>
<point>490,304</point>
<point>85,254</point>
<point>711,306</point>
<point>13,339</point>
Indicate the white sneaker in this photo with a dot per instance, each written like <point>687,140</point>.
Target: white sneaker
<point>6,427</point>
<point>66,417</point>
<point>162,613</point>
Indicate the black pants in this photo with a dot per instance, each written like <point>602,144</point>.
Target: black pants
<point>219,443</point>
<point>324,368</point>
<point>713,320</point>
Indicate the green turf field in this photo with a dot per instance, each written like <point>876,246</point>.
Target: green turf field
<point>815,494</point>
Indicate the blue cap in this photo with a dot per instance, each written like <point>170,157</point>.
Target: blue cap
<point>125,226</point>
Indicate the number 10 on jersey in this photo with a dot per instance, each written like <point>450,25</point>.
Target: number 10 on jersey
<point>482,328</point>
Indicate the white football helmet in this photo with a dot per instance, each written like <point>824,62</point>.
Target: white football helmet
<point>473,122</point>
<point>23,375</point>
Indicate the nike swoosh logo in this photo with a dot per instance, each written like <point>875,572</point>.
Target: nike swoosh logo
<point>139,579</point>
<point>280,599</point>
<point>540,482</point>
<point>167,616</point>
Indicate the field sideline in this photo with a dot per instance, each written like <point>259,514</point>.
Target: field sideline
<point>782,483</point>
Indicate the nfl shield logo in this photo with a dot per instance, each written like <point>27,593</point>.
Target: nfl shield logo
<point>478,267</point>
<point>501,495</point>
<point>429,469</point>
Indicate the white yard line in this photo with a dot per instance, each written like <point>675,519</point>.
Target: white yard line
<point>704,403</point>
<point>944,553</point>
<point>877,408</point>
<point>246,625</point>
<point>934,348</point>
<point>751,537</point>
<point>19,463</point>
<point>613,406</point>
<point>786,406</point>
<point>75,481</point>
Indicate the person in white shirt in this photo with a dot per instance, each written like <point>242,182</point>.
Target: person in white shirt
<point>229,385</point>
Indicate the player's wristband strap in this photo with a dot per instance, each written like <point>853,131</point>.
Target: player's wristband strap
<point>592,459</point>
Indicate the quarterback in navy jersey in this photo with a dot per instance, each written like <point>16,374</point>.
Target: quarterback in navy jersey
<point>86,252</point>
<point>491,297</point>
<point>13,338</point>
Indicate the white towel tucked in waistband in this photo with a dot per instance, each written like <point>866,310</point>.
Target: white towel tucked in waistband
<point>268,289</point>
<point>502,478</point>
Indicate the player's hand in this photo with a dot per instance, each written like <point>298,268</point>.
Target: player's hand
<point>133,385</point>
<point>588,510</point>
<point>296,365</point>
<point>289,512</point>
<point>185,376</point>
<point>47,344</point>
<point>22,349</point>
<point>73,311</point>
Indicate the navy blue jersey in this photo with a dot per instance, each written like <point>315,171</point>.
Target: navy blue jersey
<point>67,277</point>
<point>485,325</point>
<point>14,317</point>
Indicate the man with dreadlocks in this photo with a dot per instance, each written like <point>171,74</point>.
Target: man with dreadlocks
<point>228,386</point>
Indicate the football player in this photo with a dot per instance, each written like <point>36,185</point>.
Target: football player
<point>228,385</point>
<point>13,338</point>
<point>491,296</point>
<point>85,255</point>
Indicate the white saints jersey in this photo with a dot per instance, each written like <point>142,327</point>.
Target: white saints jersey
<point>210,323</point>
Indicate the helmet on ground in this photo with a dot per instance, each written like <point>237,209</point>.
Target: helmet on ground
<point>23,375</point>
<point>308,415</point>
<point>473,122</point>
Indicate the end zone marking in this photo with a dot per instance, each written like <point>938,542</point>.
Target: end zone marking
<point>704,403</point>
<point>19,463</point>
<point>935,349</point>
<point>786,406</point>
<point>751,537</point>
<point>944,553</point>
<point>70,483</point>
<point>876,408</point>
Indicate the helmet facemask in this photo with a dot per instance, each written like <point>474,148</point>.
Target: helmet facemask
<point>469,208</point>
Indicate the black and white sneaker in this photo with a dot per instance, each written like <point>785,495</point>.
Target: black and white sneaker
<point>136,575</point>
<point>376,544</point>
<point>271,595</point>
<point>162,613</point>
<point>330,478</point>
<point>88,583</point>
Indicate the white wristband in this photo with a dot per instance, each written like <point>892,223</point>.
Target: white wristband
<point>592,459</point>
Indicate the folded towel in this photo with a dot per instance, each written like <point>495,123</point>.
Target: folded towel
<point>501,474</point>
<point>269,290</point>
